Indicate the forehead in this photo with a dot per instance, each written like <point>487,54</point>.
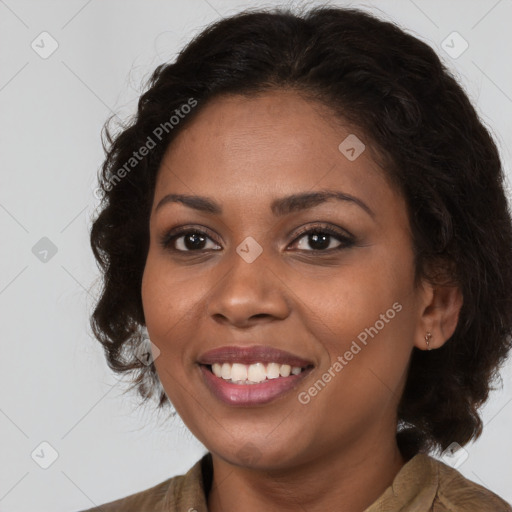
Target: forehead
<point>266,145</point>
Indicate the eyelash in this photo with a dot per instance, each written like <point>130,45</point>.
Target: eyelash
<point>346,241</point>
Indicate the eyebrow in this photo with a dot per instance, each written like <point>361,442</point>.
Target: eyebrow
<point>279,207</point>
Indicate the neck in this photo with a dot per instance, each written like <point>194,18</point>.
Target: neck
<point>347,481</point>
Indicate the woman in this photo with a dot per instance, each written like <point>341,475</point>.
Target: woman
<point>307,219</point>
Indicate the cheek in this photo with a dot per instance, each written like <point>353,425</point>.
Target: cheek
<point>365,329</point>
<point>351,296</point>
<point>174,306</point>
<point>168,297</point>
<point>363,312</point>
<point>166,306</point>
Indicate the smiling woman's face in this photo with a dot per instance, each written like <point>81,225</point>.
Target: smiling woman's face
<point>311,296</point>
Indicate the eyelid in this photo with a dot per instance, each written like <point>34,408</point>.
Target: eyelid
<point>325,227</point>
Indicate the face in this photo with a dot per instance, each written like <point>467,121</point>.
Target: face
<point>329,282</point>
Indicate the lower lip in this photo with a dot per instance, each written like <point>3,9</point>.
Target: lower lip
<point>250,394</point>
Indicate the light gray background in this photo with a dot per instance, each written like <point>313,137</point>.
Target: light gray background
<point>55,384</point>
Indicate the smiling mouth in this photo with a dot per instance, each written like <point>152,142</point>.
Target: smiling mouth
<point>256,373</point>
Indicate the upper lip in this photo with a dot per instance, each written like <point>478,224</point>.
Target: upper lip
<point>251,355</point>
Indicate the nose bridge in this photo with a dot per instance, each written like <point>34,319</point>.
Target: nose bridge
<point>249,288</point>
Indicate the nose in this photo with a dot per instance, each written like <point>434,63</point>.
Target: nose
<point>249,293</point>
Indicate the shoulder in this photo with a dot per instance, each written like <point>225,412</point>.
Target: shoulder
<point>456,493</point>
<point>182,492</point>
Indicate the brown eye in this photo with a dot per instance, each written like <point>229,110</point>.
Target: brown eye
<point>186,241</point>
<point>321,239</point>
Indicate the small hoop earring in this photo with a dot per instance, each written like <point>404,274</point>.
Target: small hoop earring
<point>428,337</point>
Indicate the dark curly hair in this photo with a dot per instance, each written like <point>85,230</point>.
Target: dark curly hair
<point>426,135</point>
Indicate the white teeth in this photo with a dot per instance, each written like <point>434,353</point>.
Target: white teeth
<point>217,369</point>
<point>256,372</point>
<point>253,373</point>
<point>239,372</point>
<point>226,371</point>
<point>272,371</point>
<point>285,369</point>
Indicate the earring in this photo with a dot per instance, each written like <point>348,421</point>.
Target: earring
<point>428,337</point>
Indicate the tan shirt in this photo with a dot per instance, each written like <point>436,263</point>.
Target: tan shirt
<point>423,484</point>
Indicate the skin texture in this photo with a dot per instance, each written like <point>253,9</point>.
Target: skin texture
<point>337,452</point>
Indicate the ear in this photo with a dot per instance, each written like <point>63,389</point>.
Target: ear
<point>439,315</point>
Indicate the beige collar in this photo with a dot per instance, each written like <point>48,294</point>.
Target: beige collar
<point>414,488</point>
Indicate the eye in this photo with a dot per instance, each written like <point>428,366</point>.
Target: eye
<point>320,239</point>
<point>186,240</point>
